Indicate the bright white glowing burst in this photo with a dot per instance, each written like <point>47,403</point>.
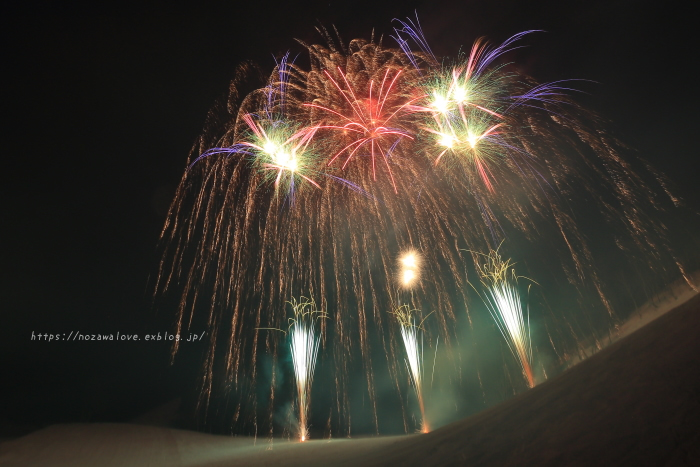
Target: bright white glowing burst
<point>473,139</point>
<point>440,103</point>
<point>304,346</point>
<point>270,147</point>
<point>281,158</point>
<point>286,160</point>
<point>446,141</point>
<point>409,260</point>
<point>459,94</point>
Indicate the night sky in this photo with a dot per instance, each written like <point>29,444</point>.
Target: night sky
<point>101,106</point>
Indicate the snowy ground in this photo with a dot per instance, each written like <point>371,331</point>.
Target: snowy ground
<point>636,402</point>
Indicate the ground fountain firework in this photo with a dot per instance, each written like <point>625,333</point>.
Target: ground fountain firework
<point>304,342</point>
<point>315,180</point>
<point>503,300</point>
<point>412,336</point>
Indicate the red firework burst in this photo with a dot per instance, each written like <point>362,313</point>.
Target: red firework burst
<point>372,121</point>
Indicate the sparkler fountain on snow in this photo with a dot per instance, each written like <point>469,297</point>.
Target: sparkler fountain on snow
<point>304,340</point>
<point>412,335</point>
<point>502,298</point>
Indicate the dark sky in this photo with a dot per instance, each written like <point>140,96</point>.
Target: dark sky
<point>101,106</point>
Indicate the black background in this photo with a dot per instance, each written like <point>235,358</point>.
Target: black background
<point>102,104</point>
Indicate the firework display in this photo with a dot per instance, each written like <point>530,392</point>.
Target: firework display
<point>316,180</point>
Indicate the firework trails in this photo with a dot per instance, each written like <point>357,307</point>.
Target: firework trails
<point>315,179</point>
